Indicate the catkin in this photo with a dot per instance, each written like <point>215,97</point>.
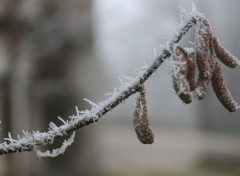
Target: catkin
<point>180,73</point>
<point>221,90</point>
<point>203,56</point>
<point>140,121</point>
<point>224,55</point>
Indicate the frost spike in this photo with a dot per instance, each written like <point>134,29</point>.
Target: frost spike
<point>221,90</point>
<point>224,55</point>
<point>140,121</point>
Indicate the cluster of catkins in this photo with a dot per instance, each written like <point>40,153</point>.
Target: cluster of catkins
<point>186,62</point>
<point>208,48</point>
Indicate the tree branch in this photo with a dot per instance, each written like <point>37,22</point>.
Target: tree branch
<point>31,140</point>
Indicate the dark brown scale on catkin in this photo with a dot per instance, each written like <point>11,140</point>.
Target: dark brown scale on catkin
<point>180,72</point>
<point>224,55</point>
<point>212,58</point>
<point>202,84</point>
<point>141,123</point>
<point>191,64</point>
<point>203,55</point>
<point>221,90</point>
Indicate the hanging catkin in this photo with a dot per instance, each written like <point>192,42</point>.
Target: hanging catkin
<point>221,90</point>
<point>180,73</point>
<point>141,123</point>
<point>203,36</point>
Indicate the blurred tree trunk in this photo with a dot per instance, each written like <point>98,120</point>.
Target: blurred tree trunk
<point>43,40</point>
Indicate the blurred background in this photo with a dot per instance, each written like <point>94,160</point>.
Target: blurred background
<point>55,53</point>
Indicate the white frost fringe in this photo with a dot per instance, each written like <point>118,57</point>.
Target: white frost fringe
<point>58,151</point>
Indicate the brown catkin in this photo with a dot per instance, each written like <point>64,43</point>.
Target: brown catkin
<point>140,121</point>
<point>180,72</point>
<point>203,56</point>
<point>221,90</point>
<point>224,55</point>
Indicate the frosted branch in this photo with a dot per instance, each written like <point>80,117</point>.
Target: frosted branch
<point>31,140</point>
